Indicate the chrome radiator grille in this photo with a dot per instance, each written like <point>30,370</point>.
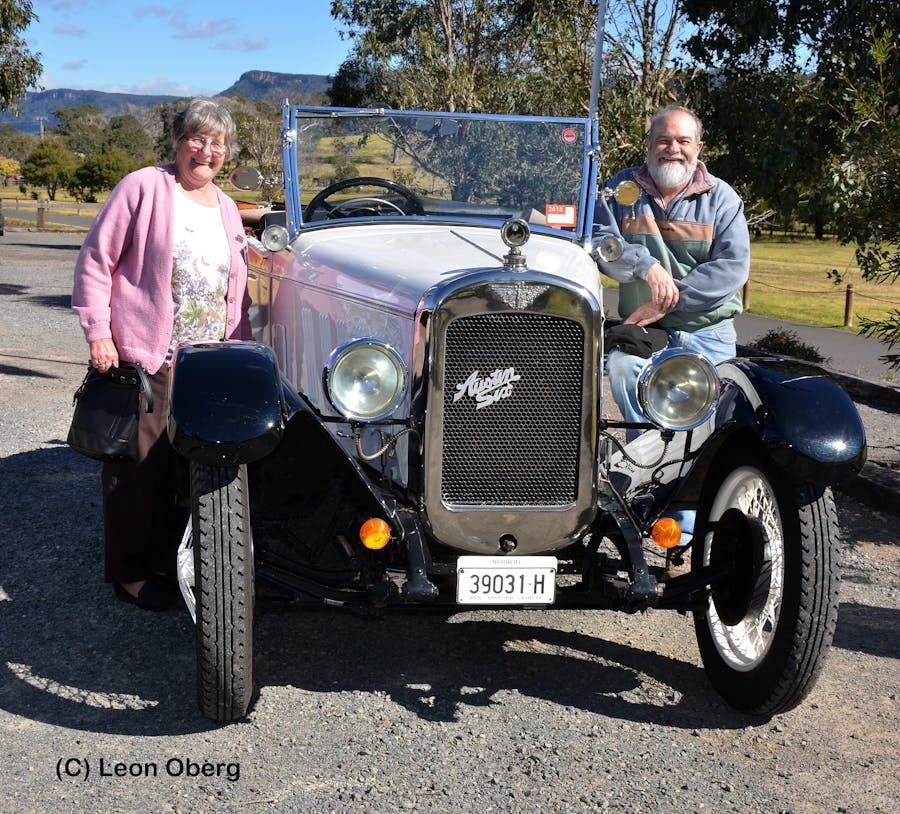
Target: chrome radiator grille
<point>512,410</point>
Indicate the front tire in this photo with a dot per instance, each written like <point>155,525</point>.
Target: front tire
<point>765,630</point>
<point>223,590</point>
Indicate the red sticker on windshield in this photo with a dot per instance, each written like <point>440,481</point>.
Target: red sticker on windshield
<point>561,215</point>
<point>569,135</point>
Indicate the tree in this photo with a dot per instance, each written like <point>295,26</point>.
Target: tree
<point>16,144</point>
<point>514,57</point>
<point>103,171</point>
<point>19,68</point>
<point>165,114</point>
<point>81,127</point>
<point>259,134</point>
<point>127,133</point>
<point>791,63</point>
<point>9,168</point>
<point>50,165</point>
<point>867,200</point>
<point>453,55</point>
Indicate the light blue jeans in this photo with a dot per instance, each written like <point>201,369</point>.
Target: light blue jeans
<point>623,369</point>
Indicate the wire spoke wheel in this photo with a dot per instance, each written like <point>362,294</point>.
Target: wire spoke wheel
<point>768,623</point>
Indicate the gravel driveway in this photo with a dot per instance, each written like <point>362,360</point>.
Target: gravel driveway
<point>470,712</point>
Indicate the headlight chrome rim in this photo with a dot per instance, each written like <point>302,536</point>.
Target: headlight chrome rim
<point>345,383</point>
<point>681,372</point>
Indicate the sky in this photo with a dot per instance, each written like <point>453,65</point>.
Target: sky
<point>186,48</point>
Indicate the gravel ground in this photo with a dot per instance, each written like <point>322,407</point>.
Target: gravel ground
<point>479,711</point>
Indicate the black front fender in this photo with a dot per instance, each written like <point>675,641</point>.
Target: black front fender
<point>807,421</point>
<point>226,405</point>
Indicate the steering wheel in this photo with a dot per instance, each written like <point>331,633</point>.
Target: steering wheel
<point>367,205</point>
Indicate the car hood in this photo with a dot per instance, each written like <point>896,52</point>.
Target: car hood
<point>395,264</point>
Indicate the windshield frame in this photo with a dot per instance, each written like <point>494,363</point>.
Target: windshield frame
<point>294,115</point>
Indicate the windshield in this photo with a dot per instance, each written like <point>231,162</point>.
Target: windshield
<point>367,164</point>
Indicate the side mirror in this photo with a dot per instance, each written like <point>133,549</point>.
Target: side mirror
<point>248,179</point>
<point>626,193</point>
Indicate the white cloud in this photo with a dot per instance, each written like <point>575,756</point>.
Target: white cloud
<point>68,30</point>
<point>204,30</point>
<point>152,11</point>
<point>77,65</point>
<point>243,45</point>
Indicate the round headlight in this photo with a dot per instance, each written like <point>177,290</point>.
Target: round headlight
<point>678,390</point>
<point>365,380</point>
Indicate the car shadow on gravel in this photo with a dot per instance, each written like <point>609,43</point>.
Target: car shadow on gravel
<point>72,656</point>
<point>870,630</point>
<point>434,665</point>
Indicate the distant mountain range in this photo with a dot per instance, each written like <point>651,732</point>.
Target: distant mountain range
<point>38,108</point>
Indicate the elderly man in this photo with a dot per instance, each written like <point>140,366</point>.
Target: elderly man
<point>687,252</point>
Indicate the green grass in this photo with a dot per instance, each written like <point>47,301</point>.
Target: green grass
<point>789,280</point>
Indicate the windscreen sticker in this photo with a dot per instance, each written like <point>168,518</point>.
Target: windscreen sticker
<point>569,136</point>
<point>561,215</point>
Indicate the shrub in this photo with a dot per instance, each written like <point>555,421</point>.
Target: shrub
<point>787,343</point>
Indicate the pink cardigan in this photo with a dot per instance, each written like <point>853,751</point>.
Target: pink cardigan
<point>123,276</point>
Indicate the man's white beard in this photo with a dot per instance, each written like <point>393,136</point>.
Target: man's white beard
<point>671,174</point>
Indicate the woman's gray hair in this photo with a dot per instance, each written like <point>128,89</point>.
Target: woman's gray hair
<point>205,116</point>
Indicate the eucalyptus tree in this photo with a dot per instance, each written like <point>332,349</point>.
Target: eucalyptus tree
<point>50,165</point>
<point>20,69</point>
<point>514,57</point>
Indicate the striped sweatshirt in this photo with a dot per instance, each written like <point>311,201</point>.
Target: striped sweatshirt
<point>701,239</point>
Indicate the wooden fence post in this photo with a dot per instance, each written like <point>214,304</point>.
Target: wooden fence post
<point>848,307</point>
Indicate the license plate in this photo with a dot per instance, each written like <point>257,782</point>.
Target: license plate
<point>505,580</point>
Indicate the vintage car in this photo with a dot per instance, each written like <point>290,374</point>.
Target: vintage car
<point>421,419</point>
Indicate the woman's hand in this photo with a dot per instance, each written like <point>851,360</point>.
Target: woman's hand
<point>104,354</point>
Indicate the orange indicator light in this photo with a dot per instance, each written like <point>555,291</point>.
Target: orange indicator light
<point>666,532</point>
<point>375,533</point>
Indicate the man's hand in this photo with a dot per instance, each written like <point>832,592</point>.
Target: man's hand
<point>646,314</point>
<point>663,291</point>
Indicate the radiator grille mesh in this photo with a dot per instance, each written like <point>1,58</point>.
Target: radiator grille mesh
<point>521,449</point>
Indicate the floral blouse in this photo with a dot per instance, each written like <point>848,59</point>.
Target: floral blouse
<point>202,260</point>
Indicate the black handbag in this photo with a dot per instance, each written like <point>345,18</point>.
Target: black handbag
<point>634,339</point>
<point>105,423</point>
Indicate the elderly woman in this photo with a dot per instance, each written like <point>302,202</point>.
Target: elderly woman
<point>163,263</point>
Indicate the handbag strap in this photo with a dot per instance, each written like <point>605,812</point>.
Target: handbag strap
<point>143,382</point>
<point>145,388</point>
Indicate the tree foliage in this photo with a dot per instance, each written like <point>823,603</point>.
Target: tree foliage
<point>127,133</point>
<point>9,168</point>
<point>835,141</point>
<point>453,55</point>
<point>514,57</point>
<point>51,165</point>
<point>81,127</point>
<point>19,68</point>
<point>867,200</point>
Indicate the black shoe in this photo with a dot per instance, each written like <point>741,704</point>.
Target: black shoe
<point>156,594</point>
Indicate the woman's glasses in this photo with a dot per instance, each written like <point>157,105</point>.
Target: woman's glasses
<point>200,143</point>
